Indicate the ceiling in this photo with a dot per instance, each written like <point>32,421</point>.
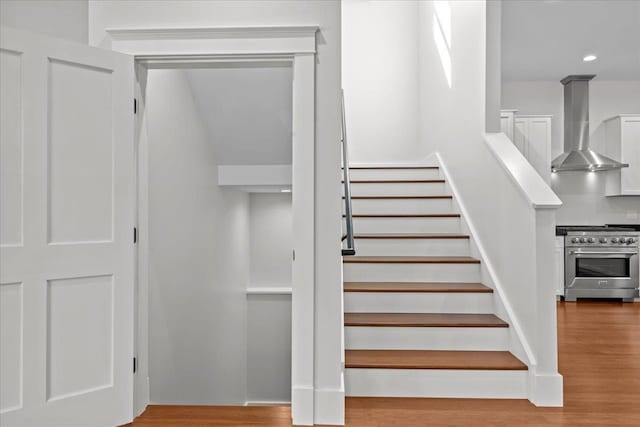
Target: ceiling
<point>546,40</point>
<point>247,111</point>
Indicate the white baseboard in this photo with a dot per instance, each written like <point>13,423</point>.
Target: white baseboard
<point>302,406</point>
<point>267,402</point>
<point>546,390</point>
<point>329,408</point>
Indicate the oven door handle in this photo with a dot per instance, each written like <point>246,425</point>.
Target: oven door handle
<point>631,253</point>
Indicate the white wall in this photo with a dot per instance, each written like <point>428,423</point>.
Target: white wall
<point>268,349</point>
<point>67,19</point>
<point>198,247</point>
<point>269,316</point>
<point>328,385</point>
<point>452,116</point>
<point>582,193</point>
<point>494,65</point>
<point>380,79</point>
<point>271,240</point>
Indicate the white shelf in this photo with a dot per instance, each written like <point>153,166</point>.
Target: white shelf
<point>275,290</point>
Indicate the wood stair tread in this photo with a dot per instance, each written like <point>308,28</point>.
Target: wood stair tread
<point>416,287</point>
<point>411,236</point>
<point>393,167</point>
<point>435,215</point>
<point>433,359</point>
<point>425,320</point>
<point>361,259</point>
<point>396,197</point>
<point>396,181</point>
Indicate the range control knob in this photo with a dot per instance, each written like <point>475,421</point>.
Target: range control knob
<point>591,240</point>
<point>583,240</point>
<point>603,240</point>
<point>614,240</point>
<point>630,240</point>
<point>575,240</point>
<point>623,240</point>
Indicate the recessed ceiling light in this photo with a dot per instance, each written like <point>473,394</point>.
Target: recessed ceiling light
<point>589,58</point>
<point>285,190</point>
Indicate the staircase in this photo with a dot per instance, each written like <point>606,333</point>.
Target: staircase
<point>418,321</point>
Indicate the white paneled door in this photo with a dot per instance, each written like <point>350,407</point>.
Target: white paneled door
<point>66,233</point>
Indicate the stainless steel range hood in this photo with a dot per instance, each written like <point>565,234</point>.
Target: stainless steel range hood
<point>577,155</point>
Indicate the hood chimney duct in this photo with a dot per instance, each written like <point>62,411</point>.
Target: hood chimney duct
<point>576,112</point>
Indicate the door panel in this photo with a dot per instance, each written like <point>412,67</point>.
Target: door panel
<point>79,156</point>
<point>66,283</point>
<point>79,346</point>
<point>11,349</point>
<point>520,136</point>
<point>11,146</point>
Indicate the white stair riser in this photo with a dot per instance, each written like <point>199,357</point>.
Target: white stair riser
<point>408,247</point>
<point>399,189</point>
<point>406,225</point>
<point>414,302</point>
<point>436,383</point>
<point>392,338</point>
<point>401,206</point>
<point>388,174</point>
<point>361,272</point>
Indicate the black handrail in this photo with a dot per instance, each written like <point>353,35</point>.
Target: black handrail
<point>350,249</point>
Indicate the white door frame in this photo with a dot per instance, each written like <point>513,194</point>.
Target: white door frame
<point>193,47</point>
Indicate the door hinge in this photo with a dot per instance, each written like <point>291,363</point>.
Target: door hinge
<point>135,105</point>
<point>135,235</point>
<point>135,365</point>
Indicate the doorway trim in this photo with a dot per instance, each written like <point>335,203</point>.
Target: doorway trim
<point>195,47</point>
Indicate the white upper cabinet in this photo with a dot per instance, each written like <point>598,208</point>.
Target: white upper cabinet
<point>532,136</point>
<point>622,135</point>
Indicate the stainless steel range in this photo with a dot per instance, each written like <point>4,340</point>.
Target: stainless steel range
<point>601,262</point>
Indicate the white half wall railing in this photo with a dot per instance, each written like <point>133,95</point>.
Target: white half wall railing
<point>510,210</point>
<point>529,288</point>
<point>530,184</point>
